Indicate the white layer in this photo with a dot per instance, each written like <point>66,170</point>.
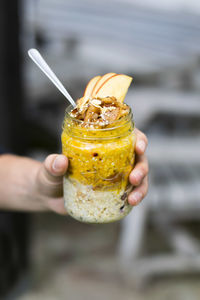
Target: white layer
<point>91,206</point>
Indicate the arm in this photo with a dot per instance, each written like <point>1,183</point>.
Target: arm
<point>28,185</point>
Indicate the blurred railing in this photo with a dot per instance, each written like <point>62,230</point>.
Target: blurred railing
<point>97,37</point>
<point>172,122</point>
<point>161,48</point>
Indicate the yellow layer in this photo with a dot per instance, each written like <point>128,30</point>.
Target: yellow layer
<point>101,164</point>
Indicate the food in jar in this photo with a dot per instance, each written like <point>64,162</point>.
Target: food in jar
<point>99,141</point>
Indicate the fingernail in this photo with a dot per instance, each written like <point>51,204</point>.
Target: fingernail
<point>135,198</point>
<point>58,163</point>
<point>137,175</point>
<point>142,145</point>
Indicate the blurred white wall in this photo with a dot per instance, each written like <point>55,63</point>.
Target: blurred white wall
<point>183,5</point>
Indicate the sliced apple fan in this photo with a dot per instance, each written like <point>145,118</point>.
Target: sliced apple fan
<point>103,98</point>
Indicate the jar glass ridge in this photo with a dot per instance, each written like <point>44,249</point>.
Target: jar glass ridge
<point>117,129</point>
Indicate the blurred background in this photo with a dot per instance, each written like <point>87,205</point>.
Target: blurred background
<point>155,252</point>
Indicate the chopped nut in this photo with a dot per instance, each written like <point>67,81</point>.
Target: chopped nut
<point>112,115</point>
<point>92,113</point>
<point>99,111</point>
<point>82,102</point>
<point>95,102</point>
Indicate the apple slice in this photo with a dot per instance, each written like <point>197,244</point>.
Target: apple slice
<point>101,81</point>
<point>116,86</point>
<point>90,86</point>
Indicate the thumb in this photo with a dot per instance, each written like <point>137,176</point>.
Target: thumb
<point>50,176</point>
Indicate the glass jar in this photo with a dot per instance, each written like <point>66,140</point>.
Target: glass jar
<point>96,186</point>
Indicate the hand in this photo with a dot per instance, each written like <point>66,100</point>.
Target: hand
<point>139,175</point>
<point>49,182</point>
<point>49,179</point>
<point>29,185</point>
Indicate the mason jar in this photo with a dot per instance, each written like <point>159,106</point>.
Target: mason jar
<point>96,186</point>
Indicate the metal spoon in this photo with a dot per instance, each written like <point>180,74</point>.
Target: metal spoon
<point>41,63</point>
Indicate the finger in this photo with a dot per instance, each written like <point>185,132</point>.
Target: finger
<point>50,176</point>
<point>57,205</point>
<point>55,166</point>
<point>140,170</point>
<point>141,142</point>
<point>136,196</point>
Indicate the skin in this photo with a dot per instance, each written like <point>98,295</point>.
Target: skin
<point>29,185</point>
<point>139,175</point>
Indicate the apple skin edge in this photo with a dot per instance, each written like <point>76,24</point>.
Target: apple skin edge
<point>108,85</point>
<point>90,86</point>
<point>101,81</point>
<point>115,86</point>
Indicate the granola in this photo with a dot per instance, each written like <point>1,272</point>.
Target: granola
<point>99,111</point>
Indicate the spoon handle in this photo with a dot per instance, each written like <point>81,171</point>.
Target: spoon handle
<point>41,63</point>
